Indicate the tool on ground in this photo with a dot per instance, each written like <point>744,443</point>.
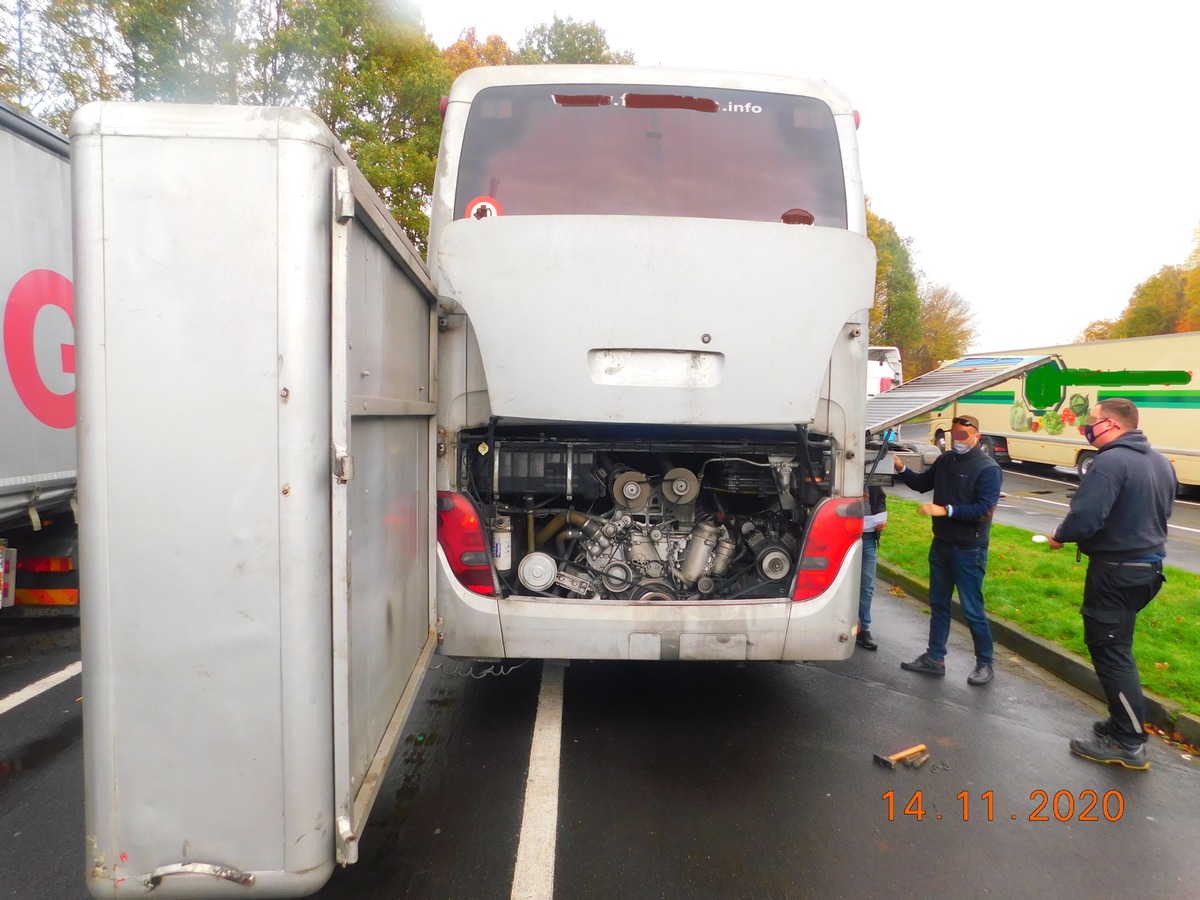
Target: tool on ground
<point>918,761</point>
<point>889,762</point>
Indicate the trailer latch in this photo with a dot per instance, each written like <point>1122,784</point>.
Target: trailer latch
<point>343,464</point>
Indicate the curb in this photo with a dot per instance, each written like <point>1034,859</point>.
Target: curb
<point>1165,715</point>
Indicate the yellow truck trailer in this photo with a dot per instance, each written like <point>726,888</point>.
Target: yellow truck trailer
<point>1036,417</point>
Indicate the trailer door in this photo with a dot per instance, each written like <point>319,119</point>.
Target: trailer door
<point>256,496</point>
<point>383,432</point>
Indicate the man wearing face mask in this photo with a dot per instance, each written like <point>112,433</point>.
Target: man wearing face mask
<point>1118,517</point>
<point>966,488</point>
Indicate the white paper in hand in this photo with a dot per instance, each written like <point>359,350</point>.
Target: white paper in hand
<point>1039,539</point>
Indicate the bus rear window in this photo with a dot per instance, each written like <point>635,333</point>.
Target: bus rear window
<point>650,151</point>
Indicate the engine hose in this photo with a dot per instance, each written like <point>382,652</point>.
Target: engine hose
<point>560,541</point>
<point>590,527</point>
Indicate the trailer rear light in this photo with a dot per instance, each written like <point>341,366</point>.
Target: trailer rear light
<point>460,534</point>
<point>45,564</point>
<point>886,384</point>
<point>835,528</point>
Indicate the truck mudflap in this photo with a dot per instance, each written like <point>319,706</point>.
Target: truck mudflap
<point>258,621</point>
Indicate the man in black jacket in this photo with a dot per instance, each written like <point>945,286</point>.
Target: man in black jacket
<point>966,488</point>
<point>1118,517</point>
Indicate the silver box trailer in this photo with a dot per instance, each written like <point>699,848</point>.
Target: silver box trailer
<point>256,367</point>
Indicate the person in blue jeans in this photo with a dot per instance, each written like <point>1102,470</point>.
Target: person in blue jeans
<point>873,523</point>
<point>966,488</point>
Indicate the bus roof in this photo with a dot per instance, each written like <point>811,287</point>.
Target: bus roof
<point>473,81</point>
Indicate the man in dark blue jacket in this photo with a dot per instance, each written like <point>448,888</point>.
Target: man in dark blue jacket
<point>1118,517</point>
<point>966,488</point>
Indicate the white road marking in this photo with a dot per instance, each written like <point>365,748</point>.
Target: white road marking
<point>1060,503</point>
<point>12,701</point>
<point>533,877</point>
<point>1071,485</point>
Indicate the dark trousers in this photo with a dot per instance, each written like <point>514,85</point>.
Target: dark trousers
<point>1113,595</point>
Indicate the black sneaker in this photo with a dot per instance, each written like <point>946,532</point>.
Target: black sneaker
<point>865,641</point>
<point>1103,728</point>
<point>1106,750</point>
<point>926,665</point>
<point>983,674</point>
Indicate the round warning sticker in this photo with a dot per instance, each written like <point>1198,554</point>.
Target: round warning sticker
<point>483,207</point>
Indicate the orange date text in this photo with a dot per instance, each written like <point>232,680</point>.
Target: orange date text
<point>1060,806</point>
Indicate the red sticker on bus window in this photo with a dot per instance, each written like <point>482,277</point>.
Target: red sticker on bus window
<point>483,207</point>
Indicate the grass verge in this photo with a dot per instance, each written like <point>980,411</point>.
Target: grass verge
<point>1041,591</point>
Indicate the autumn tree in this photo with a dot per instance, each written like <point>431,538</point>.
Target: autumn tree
<point>1190,319</point>
<point>948,326</point>
<point>1100,330</point>
<point>9,85</point>
<point>896,315</point>
<point>468,52</point>
<point>366,67</point>
<point>568,41</point>
<point>1158,306</point>
<point>183,50</point>
<point>24,69</point>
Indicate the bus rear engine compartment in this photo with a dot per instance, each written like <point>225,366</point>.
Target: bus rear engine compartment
<point>642,521</point>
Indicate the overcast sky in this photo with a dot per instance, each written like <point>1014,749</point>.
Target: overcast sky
<point>1042,155</point>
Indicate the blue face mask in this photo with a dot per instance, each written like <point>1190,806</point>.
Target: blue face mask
<point>960,447</point>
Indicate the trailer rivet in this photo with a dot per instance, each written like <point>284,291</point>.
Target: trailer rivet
<point>706,338</point>
<point>285,393</point>
<point>287,489</point>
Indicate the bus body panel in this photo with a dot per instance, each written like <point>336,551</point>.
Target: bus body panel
<point>644,319</point>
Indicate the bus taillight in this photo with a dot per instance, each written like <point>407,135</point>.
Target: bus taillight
<point>460,534</point>
<point>836,527</point>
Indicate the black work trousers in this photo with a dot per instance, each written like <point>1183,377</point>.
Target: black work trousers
<point>1113,595</point>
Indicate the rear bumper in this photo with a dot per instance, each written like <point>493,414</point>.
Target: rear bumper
<point>536,627</point>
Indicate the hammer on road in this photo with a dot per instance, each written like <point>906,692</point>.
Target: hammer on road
<point>889,762</point>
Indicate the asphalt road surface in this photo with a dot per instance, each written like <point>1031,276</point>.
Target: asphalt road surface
<point>714,780</point>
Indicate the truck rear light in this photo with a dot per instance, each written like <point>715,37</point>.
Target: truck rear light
<point>886,384</point>
<point>45,564</point>
<point>460,534</point>
<point>836,527</point>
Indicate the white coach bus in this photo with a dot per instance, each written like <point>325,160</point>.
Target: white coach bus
<point>654,287</point>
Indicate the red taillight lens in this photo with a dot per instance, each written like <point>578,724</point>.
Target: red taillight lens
<point>460,534</point>
<point>836,526</point>
<point>46,564</point>
<point>886,384</point>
